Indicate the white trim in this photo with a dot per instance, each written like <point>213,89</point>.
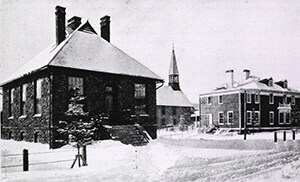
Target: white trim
<point>248,101</point>
<point>219,118</point>
<point>271,112</point>
<point>256,96</point>
<point>37,115</point>
<point>219,93</point>
<point>23,116</point>
<point>210,100</point>
<point>228,117</point>
<point>250,123</point>
<point>219,99</point>
<point>271,94</point>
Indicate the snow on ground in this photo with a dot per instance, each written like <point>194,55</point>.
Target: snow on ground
<point>174,156</point>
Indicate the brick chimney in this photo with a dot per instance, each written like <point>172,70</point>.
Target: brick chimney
<point>105,28</point>
<point>73,24</point>
<point>246,74</point>
<point>230,78</point>
<point>60,18</point>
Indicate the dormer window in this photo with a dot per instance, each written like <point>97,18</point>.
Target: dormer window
<point>285,84</point>
<point>270,84</point>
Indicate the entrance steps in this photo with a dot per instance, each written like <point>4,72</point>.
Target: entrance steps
<point>134,135</point>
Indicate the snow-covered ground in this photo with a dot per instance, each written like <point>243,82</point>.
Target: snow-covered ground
<point>174,156</point>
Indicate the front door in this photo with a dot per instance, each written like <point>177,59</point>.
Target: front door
<point>111,104</point>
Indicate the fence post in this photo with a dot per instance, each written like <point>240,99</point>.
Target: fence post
<point>245,134</point>
<point>284,136</point>
<point>25,160</point>
<point>275,136</point>
<point>294,134</point>
<point>84,155</point>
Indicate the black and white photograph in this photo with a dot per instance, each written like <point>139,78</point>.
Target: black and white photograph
<point>150,90</point>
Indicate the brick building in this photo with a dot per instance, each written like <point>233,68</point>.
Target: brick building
<point>260,103</point>
<point>36,96</point>
<point>172,104</point>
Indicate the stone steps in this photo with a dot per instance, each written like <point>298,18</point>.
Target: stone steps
<point>129,134</point>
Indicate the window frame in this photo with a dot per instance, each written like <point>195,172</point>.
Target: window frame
<point>221,112</point>
<point>11,102</point>
<point>271,113</point>
<point>140,98</point>
<point>209,98</point>
<point>79,81</point>
<point>220,96</point>
<point>249,118</point>
<point>256,98</point>
<point>279,118</point>
<point>248,98</point>
<point>38,96</point>
<point>228,119</point>
<point>271,98</point>
<point>293,100</point>
<point>23,98</point>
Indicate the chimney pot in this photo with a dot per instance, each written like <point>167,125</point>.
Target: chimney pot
<point>231,79</point>
<point>105,27</point>
<point>246,74</point>
<point>60,16</point>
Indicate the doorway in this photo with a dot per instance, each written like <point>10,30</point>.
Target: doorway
<point>111,104</point>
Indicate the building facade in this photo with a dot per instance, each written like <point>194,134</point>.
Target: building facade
<point>36,97</point>
<point>173,106</point>
<point>254,103</point>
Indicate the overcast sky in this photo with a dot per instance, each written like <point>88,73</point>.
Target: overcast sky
<point>210,36</point>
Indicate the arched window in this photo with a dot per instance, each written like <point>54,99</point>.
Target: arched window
<point>22,136</point>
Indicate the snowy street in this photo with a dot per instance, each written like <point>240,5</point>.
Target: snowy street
<point>163,159</point>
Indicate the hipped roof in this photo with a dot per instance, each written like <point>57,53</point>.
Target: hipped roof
<point>85,50</point>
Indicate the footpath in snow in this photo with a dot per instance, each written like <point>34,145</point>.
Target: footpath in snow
<point>174,156</point>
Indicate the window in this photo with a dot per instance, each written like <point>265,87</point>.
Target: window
<point>163,110</point>
<point>293,101</point>
<point>255,117</point>
<point>287,118</point>
<point>256,98</point>
<point>163,122</point>
<point>209,100</point>
<point>249,117</point>
<point>38,96</point>
<point>75,86</point>
<point>140,98</point>
<point>270,82</point>
<point>11,101</point>
<point>220,99</point>
<point>284,99</point>
<point>23,99</point>
<point>230,117</point>
<point>281,118</point>
<point>109,101</point>
<point>221,118</point>
<point>248,98</point>
<point>271,117</point>
<point>271,99</point>
<point>174,110</point>
<point>174,122</point>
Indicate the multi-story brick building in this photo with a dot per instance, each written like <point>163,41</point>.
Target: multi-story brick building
<point>172,104</point>
<point>36,96</point>
<point>258,104</point>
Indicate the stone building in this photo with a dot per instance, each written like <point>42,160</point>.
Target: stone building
<point>254,103</point>
<point>37,95</point>
<point>172,104</point>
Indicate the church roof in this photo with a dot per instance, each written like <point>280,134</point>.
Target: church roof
<point>166,96</point>
<point>173,69</point>
<point>84,49</point>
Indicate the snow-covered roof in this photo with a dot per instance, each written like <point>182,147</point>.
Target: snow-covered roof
<point>166,96</point>
<point>254,83</point>
<point>85,50</point>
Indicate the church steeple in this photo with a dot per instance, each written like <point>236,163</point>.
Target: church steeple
<point>173,72</point>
